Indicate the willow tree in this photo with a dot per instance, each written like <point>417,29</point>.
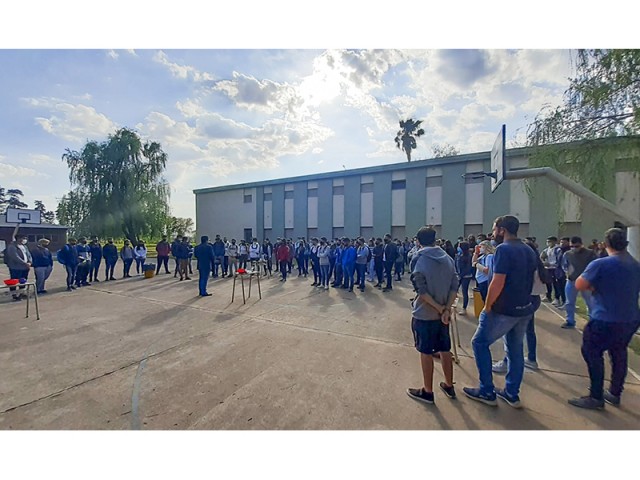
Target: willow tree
<point>406,136</point>
<point>598,122</point>
<point>122,186</point>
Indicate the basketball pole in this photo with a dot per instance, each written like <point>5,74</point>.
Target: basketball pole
<point>633,224</point>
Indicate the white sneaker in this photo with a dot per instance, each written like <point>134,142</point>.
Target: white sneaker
<point>499,367</point>
<point>531,365</point>
<point>326,287</point>
<point>555,303</point>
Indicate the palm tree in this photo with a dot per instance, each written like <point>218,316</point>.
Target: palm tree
<point>406,136</point>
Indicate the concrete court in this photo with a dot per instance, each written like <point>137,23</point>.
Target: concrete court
<point>150,354</point>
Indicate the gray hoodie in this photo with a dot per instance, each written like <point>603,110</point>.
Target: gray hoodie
<point>439,272</point>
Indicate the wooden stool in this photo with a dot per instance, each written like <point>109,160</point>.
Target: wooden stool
<point>250,274</point>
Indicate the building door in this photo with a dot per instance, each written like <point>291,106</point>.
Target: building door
<point>248,235</point>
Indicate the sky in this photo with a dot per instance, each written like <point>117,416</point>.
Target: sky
<point>228,116</point>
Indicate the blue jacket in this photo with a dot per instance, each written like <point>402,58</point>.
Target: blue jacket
<point>41,257</point>
<point>349,256</point>
<point>181,251</point>
<point>390,252</point>
<point>110,253</point>
<point>70,255</point>
<point>204,255</point>
<point>218,248</point>
<point>463,266</point>
<point>96,252</point>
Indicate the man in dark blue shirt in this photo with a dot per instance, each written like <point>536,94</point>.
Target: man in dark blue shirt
<point>614,317</point>
<point>96,259</point>
<point>204,255</point>
<point>507,312</point>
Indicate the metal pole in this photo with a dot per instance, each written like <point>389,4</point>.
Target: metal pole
<point>633,224</point>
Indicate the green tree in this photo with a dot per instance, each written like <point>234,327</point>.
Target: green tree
<point>445,150</point>
<point>11,198</point>
<point>406,136</point>
<point>179,226</point>
<point>72,212</point>
<point>121,186</point>
<point>601,102</point>
<point>46,215</point>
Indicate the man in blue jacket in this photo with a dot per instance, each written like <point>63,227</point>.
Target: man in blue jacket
<point>110,253</point>
<point>69,255</point>
<point>96,258</point>
<point>42,264</point>
<point>390,253</point>
<point>348,263</point>
<point>204,256</point>
<point>218,252</point>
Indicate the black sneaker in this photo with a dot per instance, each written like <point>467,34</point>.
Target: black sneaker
<point>449,391</point>
<point>611,399</point>
<point>513,401</point>
<point>587,402</point>
<point>568,325</point>
<point>420,395</point>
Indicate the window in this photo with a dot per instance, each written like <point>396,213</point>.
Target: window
<point>288,194</point>
<point>366,187</point>
<point>248,198</point>
<point>434,182</point>
<point>267,197</point>
<point>469,180</point>
<point>31,238</point>
<point>338,190</point>
<point>54,238</point>
<point>312,193</point>
<point>399,185</point>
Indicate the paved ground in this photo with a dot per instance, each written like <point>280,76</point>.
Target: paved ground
<point>150,354</point>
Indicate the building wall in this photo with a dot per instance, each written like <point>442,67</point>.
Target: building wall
<point>225,213</point>
<point>402,200</point>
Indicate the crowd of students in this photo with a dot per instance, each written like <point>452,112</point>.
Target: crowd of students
<point>512,278</point>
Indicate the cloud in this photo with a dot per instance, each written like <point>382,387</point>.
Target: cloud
<point>12,171</point>
<point>72,122</point>
<point>263,95</point>
<point>182,71</point>
<point>113,54</point>
<point>463,67</point>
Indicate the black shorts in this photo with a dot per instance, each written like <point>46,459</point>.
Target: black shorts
<point>430,336</point>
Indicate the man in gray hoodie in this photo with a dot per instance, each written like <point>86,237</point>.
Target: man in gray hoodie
<point>436,284</point>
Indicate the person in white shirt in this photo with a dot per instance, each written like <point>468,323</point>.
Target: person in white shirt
<point>140,254</point>
<point>233,251</point>
<point>255,252</point>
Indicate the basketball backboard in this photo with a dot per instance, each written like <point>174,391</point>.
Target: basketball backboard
<point>498,159</point>
<point>22,215</point>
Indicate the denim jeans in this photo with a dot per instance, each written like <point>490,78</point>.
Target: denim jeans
<point>42,273</point>
<point>71,274</point>
<point>492,326</point>
<point>464,285</point>
<point>162,260</point>
<point>361,268</point>
<point>204,278</point>
<point>324,275</point>
<point>571,294</point>
<point>348,275</point>
<point>614,337</point>
<point>338,276</point>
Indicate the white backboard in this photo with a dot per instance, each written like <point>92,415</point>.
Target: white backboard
<point>22,215</point>
<point>498,159</point>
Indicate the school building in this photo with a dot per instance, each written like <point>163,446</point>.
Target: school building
<point>400,198</point>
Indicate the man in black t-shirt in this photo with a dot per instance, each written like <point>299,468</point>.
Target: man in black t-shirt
<point>507,312</point>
